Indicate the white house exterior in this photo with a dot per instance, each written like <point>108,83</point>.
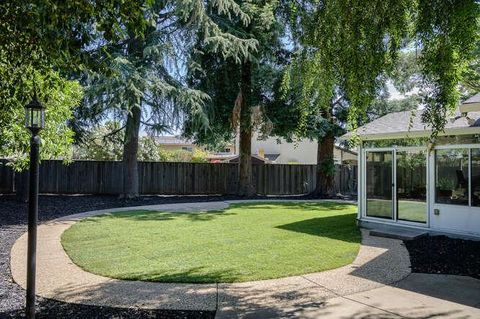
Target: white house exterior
<point>406,181</point>
<point>279,151</point>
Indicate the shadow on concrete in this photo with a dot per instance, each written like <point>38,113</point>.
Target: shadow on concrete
<point>459,289</point>
<point>194,275</point>
<point>386,269</point>
<point>244,303</point>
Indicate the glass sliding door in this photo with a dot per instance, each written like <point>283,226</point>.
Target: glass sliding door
<point>411,185</point>
<point>379,184</point>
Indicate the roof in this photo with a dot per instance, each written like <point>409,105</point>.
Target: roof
<point>255,159</point>
<point>409,124</point>
<point>272,157</point>
<point>471,104</point>
<point>346,150</point>
<point>172,140</point>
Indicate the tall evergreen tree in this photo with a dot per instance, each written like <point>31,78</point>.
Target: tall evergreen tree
<point>239,90</point>
<point>145,83</point>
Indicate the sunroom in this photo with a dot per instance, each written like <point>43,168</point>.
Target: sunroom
<point>405,181</point>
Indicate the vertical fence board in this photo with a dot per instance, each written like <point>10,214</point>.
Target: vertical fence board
<point>7,176</point>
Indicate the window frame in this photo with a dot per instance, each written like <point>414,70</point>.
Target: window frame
<point>469,148</point>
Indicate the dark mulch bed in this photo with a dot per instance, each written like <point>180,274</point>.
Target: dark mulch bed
<point>13,218</point>
<point>60,310</point>
<point>444,255</point>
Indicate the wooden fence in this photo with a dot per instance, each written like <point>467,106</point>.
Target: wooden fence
<point>7,177</point>
<point>106,177</point>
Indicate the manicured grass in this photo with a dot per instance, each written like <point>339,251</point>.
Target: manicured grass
<point>244,242</point>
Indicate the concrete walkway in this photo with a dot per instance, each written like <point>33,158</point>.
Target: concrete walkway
<point>378,284</point>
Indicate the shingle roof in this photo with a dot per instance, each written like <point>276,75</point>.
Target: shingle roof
<point>410,123</point>
<point>272,157</point>
<point>473,99</point>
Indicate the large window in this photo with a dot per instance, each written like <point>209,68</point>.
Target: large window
<point>451,176</point>
<point>475,179</point>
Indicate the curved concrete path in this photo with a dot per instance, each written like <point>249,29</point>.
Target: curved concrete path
<point>381,262</point>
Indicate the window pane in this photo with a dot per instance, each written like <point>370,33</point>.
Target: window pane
<point>379,184</point>
<point>475,169</point>
<point>451,176</point>
<point>411,186</point>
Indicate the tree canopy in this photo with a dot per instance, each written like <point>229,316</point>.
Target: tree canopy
<point>221,78</point>
<point>59,96</point>
<point>349,45</point>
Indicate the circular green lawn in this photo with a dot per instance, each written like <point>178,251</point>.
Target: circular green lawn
<point>242,243</point>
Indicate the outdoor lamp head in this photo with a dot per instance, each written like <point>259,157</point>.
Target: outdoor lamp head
<point>34,115</point>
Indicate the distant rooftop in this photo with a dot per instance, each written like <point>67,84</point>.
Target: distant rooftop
<point>471,104</point>
<point>172,140</point>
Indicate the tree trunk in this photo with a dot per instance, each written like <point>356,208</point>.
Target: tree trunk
<point>130,151</point>
<point>325,158</point>
<point>245,185</point>
<point>325,166</point>
<point>132,130</point>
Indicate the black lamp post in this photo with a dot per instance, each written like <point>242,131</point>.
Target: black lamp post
<point>34,121</point>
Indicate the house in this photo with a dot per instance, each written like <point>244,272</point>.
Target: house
<point>271,150</point>
<point>405,181</point>
<point>279,151</point>
<point>176,143</point>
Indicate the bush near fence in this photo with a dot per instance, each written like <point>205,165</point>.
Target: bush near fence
<point>172,178</point>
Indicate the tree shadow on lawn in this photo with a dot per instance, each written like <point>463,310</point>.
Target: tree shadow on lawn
<point>311,206</point>
<point>206,215</point>
<point>149,215</point>
<point>339,227</point>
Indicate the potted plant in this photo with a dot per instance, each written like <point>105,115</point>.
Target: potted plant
<point>445,187</point>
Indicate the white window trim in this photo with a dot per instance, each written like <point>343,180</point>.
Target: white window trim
<point>363,185</point>
<point>469,147</point>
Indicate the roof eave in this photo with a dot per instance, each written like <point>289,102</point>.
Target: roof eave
<point>469,107</point>
<point>414,134</point>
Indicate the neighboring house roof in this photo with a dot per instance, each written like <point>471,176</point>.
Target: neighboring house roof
<point>343,149</point>
<point>409,124</point>
<point>255,159</point>
<point>471,104</point>
<point>272,157</point>
<point>172,140</point>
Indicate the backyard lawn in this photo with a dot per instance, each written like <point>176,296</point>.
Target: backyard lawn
<point>242,243</point>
